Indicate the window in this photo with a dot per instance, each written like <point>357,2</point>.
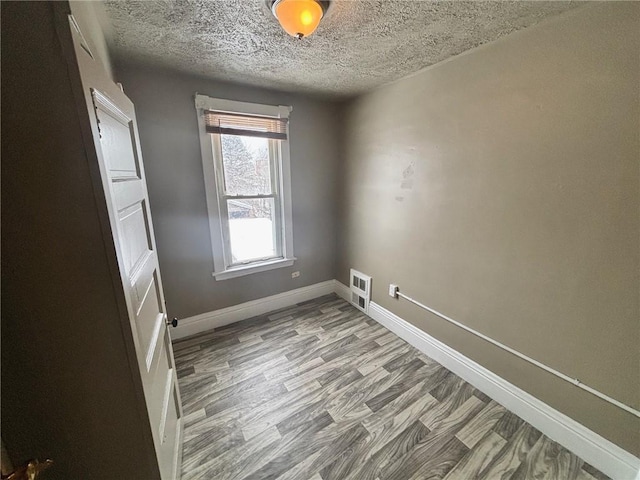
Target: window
<point>245,154</point>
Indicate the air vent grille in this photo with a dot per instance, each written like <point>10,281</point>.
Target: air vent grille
<point>360,290</point>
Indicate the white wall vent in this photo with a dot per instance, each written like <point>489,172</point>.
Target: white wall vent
<point>360,290</point>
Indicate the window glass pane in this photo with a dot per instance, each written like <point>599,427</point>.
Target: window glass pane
<point>251,229</point>
<point>246,165</point>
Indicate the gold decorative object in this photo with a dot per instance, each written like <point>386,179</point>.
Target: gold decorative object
<point>31,471</point>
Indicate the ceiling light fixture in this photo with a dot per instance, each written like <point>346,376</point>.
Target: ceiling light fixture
<point>299,18</point>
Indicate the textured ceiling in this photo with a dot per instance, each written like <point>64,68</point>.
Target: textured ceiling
<point>358,45</point>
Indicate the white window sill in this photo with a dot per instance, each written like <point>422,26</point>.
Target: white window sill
<point>255,268</point>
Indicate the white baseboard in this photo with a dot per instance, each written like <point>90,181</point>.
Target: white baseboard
<point>342,290</point>
<point>208,321</point>
<point>588,445</point>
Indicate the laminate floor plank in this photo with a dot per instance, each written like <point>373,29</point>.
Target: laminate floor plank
<point>407,376</point>
<point>477,458</point>
<point>320,391</point>
<point>460,394</point>
<point>548,460</point>
<point>477,428</point>
<point>385,450</point>
<point>279,411</point>
<point>407,406</point>
<point>442,433</point>
<point>508,425</point>
<point>509,458</point>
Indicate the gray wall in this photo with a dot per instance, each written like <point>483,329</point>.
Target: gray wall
<point>68,392</point>
<point>168,129</point>
<point>502,189</point>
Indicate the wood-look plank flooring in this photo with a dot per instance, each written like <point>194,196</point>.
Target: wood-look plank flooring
<point>320,391</point>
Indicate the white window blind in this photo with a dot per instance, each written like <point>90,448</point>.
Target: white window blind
<point>246,125</point>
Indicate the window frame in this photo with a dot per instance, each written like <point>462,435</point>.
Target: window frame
<point>211,149</point>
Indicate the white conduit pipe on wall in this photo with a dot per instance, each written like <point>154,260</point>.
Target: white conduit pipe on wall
<point>558,374</point>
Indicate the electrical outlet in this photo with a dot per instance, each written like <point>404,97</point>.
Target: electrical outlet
<point>393,290</point>
<point>295,274</point>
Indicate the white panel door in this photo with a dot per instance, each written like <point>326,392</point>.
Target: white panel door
<point>113,136</point>
<point>133,234</point>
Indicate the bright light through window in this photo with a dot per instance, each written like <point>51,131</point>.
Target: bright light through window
<point>247,169</point>
<point>251,229</point>
<point>250,196</point>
